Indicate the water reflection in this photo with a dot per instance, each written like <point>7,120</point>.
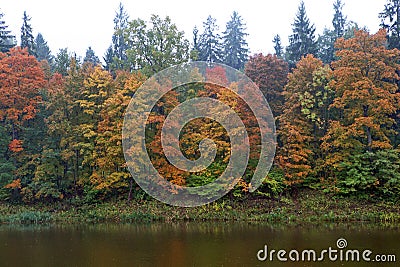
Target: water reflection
<point>183,244</point>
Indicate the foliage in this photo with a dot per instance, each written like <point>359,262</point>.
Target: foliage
<point>6,39</point>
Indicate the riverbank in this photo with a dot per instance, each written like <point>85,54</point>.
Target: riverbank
<point>308,207</point>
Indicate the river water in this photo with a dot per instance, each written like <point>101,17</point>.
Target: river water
<point>197,244</point>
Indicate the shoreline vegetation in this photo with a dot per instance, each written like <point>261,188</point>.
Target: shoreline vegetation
<point>308,207</point>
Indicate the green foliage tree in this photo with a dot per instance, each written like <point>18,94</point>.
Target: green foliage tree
<point>235,48</point>
<point>119,43</point>
<point>157,46</point>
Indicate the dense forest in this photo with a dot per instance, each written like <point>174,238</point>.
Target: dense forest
<point>335,98</point>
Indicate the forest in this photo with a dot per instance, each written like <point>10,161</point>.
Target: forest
<point>335,98</point>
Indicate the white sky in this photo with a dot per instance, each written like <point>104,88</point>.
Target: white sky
<point>77,24</point>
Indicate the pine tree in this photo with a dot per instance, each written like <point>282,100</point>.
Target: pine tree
<point>62,62</point>
<point>390,18</point>
<point>6,39</point>
<point>302,42</point>
<point>27,39</point>
<point>210,47</point>
<point>42,49</point>
<point>278,46</point>
<point>91,57</point>
<point>235,48</point>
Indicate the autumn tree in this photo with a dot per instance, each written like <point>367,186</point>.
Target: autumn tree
<point>304,120</point>
<point>366,98</point>
<point>21,79</point>
<point>270,74</point>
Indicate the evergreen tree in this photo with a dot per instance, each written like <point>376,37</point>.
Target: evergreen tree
<point>119,43</point>
<point>278,46</point>
<point>91,57</point>
<point>108,58</point>
<point>326,42</point>
<point>42,49</point>
<point>27,39</point>
<point>234,43</point>
<point>194,53</point>
<point>339,20</point>
<point>6,39</point>
<point>390,18</point>
<point>62,62</point>
<point>302,41</point>
<point>210,47</point>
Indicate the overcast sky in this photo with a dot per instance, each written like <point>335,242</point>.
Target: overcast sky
<point>77,24</point>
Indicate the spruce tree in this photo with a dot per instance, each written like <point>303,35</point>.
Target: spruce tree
<point>27,39</point>
<point>390,20</point>
<point>326,42</point>
<point>235,49</point>
<point>6,39</point>
<point>278,46</point>
<point>302,42</point>
<point>210,46</point>
<point>339,20</point>
<point>108,58</point>
<point>42,49</point>
<point>119,44</point>
<point>91,57</point>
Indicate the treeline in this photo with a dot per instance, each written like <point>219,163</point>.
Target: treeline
<point>336,100</point>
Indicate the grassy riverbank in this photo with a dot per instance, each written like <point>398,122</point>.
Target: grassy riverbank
<point>308,207</point>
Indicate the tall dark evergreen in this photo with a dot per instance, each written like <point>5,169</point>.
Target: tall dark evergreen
<point>119,43</point>
<point>108,58</point>
<point>194,53</point>
<point>27,39</point>
<point>302,42</point>
<point>326,42</point>
<point>91,57</point>
<point>278,46</point>
<point>390,20</point>
<point>235,48</point>
<point>210,42</point>
<point>339,20</point>
<point>7,40</point>
<point>42,49</point>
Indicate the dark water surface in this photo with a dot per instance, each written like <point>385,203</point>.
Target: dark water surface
<point>188,244</point>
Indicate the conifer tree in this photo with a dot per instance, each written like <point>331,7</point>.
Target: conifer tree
<point>235,48</point>
<point>302,42</point>
<point>210,46</point>
<point>6,39</point>
<point>42,49</point>
<point>27,39</point>
<point>390,18</point>
<point>278,46</point>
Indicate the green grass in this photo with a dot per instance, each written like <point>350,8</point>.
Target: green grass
<point>308,207</point>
